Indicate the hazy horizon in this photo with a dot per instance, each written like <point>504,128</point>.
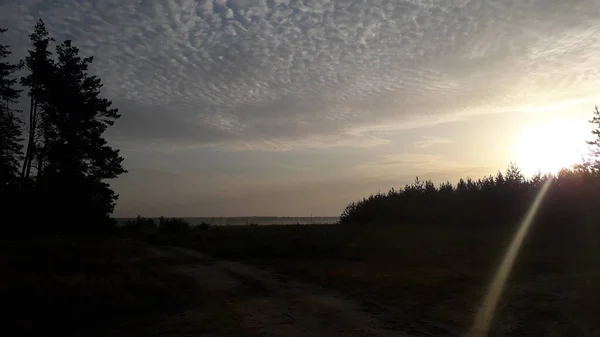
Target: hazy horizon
<point>298,107</point>
<point>247,220</point>
<point>235,217</point>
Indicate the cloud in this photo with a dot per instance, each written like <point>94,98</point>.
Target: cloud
<point>430,141</point>
<point>294,168</point>
<point>412,160</point>
<point>434,166</point>
<point>287,74</point>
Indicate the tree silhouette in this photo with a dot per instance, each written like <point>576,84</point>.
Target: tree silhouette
<point>77,159</point>
<point>503,199</point>
<point>595,150</point>
<point>66,147</point>
<point>11,149</point>
<point>40,65</point>
<point>514,177</point>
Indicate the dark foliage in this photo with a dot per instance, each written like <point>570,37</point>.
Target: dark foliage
<point>39,65</point>
<point>203,226</point>
<point>139,227</point>
<point>502,199</point>
<point>77,159</point>
<point>173,226</point>
<point>163,230</point>
<point>11,150</point>
<point>67,161</point>
<point>594,161</point>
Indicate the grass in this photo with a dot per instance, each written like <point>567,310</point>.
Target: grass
<point>97,288</point>
<point>435,273</point>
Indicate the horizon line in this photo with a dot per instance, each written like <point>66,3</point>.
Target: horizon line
<point>216,217</point>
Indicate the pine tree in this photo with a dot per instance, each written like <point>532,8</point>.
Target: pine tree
<point>595,144</point>
<point>78,158</point>
<point>39,65</point>
<point>11,150</point>
<point>514,177</point>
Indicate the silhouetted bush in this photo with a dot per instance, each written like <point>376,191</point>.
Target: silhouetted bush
<point>173,226</point>
<point>139,227</point>
<point>203,226</point>
<point>572,196</point>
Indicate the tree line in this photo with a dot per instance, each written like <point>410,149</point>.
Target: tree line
<point>54,160</point>
<point>572,197</point>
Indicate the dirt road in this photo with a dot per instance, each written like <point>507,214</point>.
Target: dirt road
<point>273,305</point>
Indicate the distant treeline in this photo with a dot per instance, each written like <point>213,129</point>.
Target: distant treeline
<point>145,227</point>
<point>573,197</point>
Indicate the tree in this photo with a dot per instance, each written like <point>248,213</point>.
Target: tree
<point>514,177</point>
<point>77,158</point>
<point>11,150</point>
<point>39,65</point>
<point>461,186</point>
<point>595,150</point>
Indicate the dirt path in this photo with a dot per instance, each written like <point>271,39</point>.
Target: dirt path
<point>275,306</point>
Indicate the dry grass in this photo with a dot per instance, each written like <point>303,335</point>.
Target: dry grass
<point>115,287</point>
<point>436,273</point>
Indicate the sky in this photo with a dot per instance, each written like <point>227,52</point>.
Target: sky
<point>298,107</point>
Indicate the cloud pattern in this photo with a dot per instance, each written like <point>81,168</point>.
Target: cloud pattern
<point>288,74</point>
<point>430,141</point>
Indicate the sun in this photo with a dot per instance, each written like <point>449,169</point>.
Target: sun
<point>549,147</point>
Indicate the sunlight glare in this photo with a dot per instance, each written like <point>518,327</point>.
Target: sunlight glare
<point>486,312</point>
<point>550,147</point>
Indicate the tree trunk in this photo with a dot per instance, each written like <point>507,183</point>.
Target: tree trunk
<point>31,141</point>
<point>40,163</point>
<point>3,179</point>
<point>33,148</point>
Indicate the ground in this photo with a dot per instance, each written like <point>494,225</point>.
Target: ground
<point>70,287</point>
<point>433,278</point>
<point>302,281</point>
<point>270,304</point>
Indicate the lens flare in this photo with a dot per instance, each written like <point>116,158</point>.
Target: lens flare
<point>486,312</point>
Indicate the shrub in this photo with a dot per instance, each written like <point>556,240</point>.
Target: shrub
<point>173,226</point>
<point>139,227</point>
<point>204,226</point>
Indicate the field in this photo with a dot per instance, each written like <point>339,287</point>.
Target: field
<point>320,280</point>
<point>433,275</point>
<point>100,288</point>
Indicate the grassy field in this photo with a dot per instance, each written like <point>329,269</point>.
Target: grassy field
<point>99,288</point>
<point>435,273</point>
<point>429,275</point>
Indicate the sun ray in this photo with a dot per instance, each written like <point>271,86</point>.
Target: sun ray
<point>486,312</point>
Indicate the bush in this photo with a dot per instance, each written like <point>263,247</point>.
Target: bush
<point>173,226</point>
<point>203,226</point>
<point>139,227</point>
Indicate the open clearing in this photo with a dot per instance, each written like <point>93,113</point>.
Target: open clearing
<point>273,305</point>
<point>303,281</point>
<point>414,280</point>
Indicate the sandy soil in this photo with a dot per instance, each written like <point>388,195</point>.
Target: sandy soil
<point>273,305</point>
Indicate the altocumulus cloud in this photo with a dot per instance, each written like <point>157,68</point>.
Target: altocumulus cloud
<point>430,141</point>
<point>287,74</point>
